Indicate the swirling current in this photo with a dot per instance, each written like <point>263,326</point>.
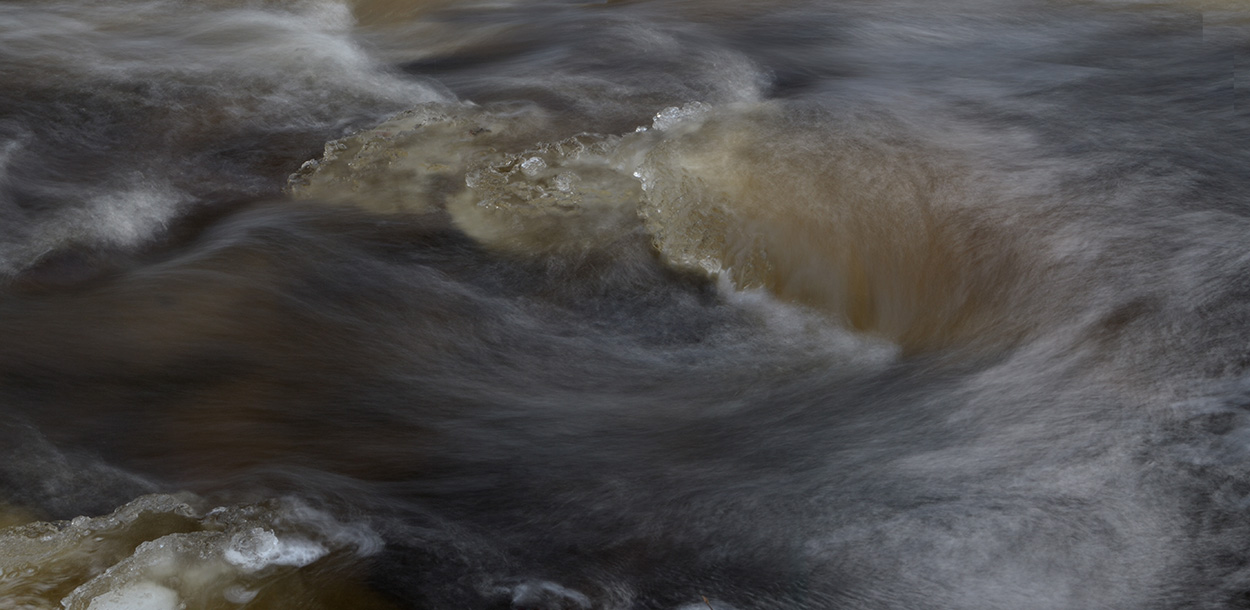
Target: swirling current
<point>624,304</point>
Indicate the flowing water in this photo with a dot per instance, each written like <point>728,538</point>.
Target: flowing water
<point>672,304</point>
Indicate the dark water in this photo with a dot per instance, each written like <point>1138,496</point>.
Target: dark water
<point>672,305</point>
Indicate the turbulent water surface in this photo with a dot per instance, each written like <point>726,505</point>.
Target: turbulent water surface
<point>671,304</point>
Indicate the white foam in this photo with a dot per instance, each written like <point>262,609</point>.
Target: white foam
<point>239,595</point>
<point>129,217</point>
<point>259,548</point>
<point>340,535</point>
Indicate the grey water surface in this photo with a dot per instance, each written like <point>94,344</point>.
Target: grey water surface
<point>672,304</point>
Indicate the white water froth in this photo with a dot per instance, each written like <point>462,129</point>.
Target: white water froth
<point>127,218</point>
<point>259,548</point>
<point>183,83</point>
<point>121,218</point>
<point>804,330</point>
<point>296,55</point>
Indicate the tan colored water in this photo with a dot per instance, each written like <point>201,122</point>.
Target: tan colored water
<point>885,232</point>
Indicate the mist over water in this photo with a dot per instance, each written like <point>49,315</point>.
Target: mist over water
<point>394,304</point>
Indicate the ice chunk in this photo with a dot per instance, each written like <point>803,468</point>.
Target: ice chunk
<point>139,596</point>
<point>673,115</point>
<point>532,166</point>
<point>565,182</point>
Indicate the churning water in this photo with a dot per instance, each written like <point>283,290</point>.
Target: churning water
<point>673,304</point>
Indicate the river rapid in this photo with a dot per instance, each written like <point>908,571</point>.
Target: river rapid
<point>672,304</point>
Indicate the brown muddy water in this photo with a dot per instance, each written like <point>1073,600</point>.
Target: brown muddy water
<point>672,305</point>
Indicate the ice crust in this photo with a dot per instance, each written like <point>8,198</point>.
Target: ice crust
<point>165,552</point>
<point>674,115</point>
<point>498,175</point>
